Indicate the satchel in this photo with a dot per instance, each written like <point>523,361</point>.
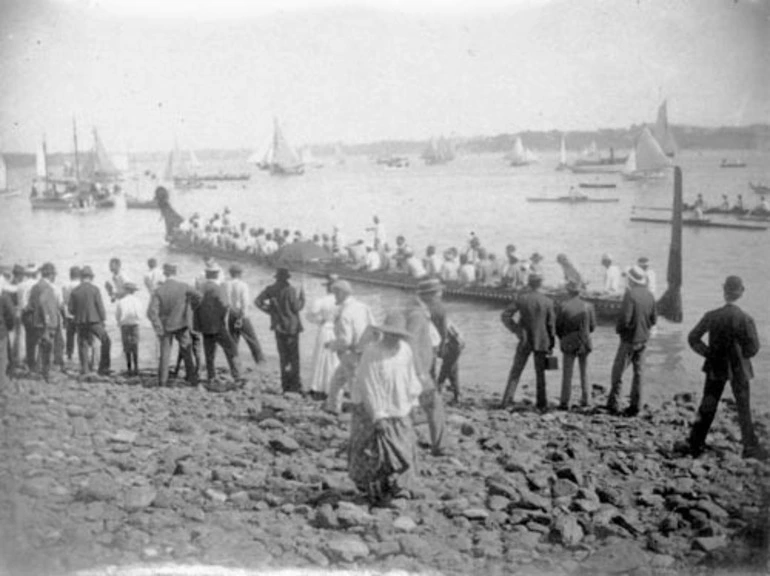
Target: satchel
<point>551,362</point>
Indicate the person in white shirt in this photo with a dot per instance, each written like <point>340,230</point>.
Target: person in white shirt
<point>270,246</point>
<point>154,276</point>
<point>466,274</point>
<point>29,279</point>
<point>613,277</point>
<point>238,323</point>
<point>353,319</point>
<point>652,279</point>
<point>432,261</point>
<point>385,390</point>
<point>373,260</point>
<point>128,311</point>
<point>323,312</point>
<point>450,266</point>
<point>378,230</point>
<point>413,264</point>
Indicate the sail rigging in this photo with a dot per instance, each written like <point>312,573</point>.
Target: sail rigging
<point>3,174</point>
<point>41,164</point>
<point>98,164</point>
<point>283,160</point>
<point>649,160</point>
<point>521,155</point>
<point>662,131</point>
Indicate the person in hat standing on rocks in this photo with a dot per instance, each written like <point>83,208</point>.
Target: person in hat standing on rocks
<point>169,314</point>
<point>382,456</point>
<point>238,301</point>
<point>23,289</point>
<point>69,323</point>
<point>636,319</point>
<point>128,311</point>
<point>350,325</point>
<point>532,318</point>
<point>87,309</point>
<point>44,308</point>
<point>283,303</point>
<point>7,320</point>
<point>211,321</point>
<point>575,321</point>
<point>323,312</point>
<point>732,342</point>
<point>451,345</point>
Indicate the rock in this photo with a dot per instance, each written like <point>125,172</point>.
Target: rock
<point>74,410</point>
<point>712,510</point>
<point>467,429</point>
<point>611,495</point>
<point>566,530</point>
<point>349,514</point>
<point>496,502</point>
<point>583,505</point>
<point>562,488</point>
<point>662,561</point>
<point>386,548</point>
<point>532,501</point>
<point>347,548</point>
<point>617,557</point>
<point>123,437</point>
<point>139,497</point>
<point>475,514</point>
<point>709,544</point>
<point>98,488</point>
<point>284,444</point>
<point>519,461</point>
<point>80,426</point>
<point>271,424</point>
<point>325,517</point>
<point>570,472</point>
<point>404,524</point>
<point>499,485</point>
<point>215,495</point>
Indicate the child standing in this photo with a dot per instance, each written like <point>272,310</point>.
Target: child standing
<point>127,313</point>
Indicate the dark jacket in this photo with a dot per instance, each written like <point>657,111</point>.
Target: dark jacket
<point>537,318</point>
<point>282,301</point>
<point>637,315</point>
<point>575,320</point>
<point>732,341</point>
<point>210,313</point>
<point>170,305</point>
<point>85,305</point>
<point>7,314</point>
<point>44,305</point>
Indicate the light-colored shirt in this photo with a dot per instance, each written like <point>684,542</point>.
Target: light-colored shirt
<point>128,310</point>
<point>373,260</point>
<point>613,279</point>
<point>415,268</point>
<point>652,281</point>
<point>153,279</point>
<point>449,269</point>
<point>467,273</point>
<point>22,290</point>
<point>352,321</point>
<point>323,310</point>
<point>386,383</point>
<point>237,294</point>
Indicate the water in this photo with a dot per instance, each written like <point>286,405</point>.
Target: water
<point>442,205</point>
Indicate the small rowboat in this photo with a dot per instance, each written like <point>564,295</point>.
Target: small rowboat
<point>759,188</point>
<point>136,204</point>
<point>597,185</point>
<point>575,200</point>
<point>756,218</point>
<point>696,223</point>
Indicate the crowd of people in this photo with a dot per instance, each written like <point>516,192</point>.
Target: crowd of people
<point>700,206</point>
<point>388,368</point>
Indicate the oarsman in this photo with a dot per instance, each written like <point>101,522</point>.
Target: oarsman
<point>613,277</point>
<point>69,323</point>
<point>739,204</point>
<point>485,268</point>
<point>466,273</point>
<point>211,320</point>
<point>575,321</point>
<point>536,330</point>
<point>378,231</point>
<point>571,274</point>
<point>238,300</point>
<point>45,309</point>
<point>432,261</point>
<point>169,314</point>
<point>652,279</point>
<point>511,273</point>
<point>413,265</point>
<point>87,309</point>
<point>128,312</point>
<point>451,345</point>
<point>283,303</point>
<point>116,288</point>
<point>636,319</point>
<point>373,261</point>
<point>154,275</point>
<point>350,325</point>
<point>535,266</point>
<point>732,342</point>
<point>450,266</point>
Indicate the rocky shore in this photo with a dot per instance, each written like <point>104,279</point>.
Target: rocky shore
<point>109,472</point>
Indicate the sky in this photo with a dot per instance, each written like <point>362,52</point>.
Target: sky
<point>214,73</point>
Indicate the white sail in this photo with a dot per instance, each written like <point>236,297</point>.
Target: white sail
<point>630,166</point>
<point>41,165</point>
<point>284,158</point>
<point>649,154</point>
<point>3,174</point>
<point>531,156</point>
<point>563,150</point>
<point>662,131</point>
<point>591,151</point>
<point>519,156</point>
<point>193,161</point>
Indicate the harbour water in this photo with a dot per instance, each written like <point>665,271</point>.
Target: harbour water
<point>442,205</point>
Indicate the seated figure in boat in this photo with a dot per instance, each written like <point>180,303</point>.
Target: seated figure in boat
<point>450,266</point>
<point>763,208</point>
<point>739,204</point>
<point>485,269</point>
<point>413,265</point>
<point>571,274</point>
<point>466,274</point>
<point>725,205</point>
<point>373,260</point>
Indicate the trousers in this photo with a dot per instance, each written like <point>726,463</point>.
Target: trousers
<point>243,327</point>
<point>633,354</point>
<point>566,379</point>
<point>69,328</point>
<point>342,377</point>
<point>712,392</point>
<point>432,404</point>
<point>288,356</point>
<point>182,336</point>
<point>523,350</point>
<point>86,334</point>
<point>224,340</point>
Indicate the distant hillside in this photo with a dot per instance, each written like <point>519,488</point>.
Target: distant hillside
<point>754,137</point>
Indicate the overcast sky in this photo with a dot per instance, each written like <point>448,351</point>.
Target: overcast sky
<point>215,72</point>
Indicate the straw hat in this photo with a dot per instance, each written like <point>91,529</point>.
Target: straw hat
<point>637,276</point>
<point>395,323</point>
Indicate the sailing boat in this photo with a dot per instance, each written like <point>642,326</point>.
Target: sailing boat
<point>590,158</point>
<point>5,191</point>
<point>98,166</point>
<point>180,169</point>
<point>307,158</point>
<point>663,133</point>
<point>521,155</point>
<point>439,151</point>
<point>280,159</point>
<point>647,161</point>
<point>562,154</point>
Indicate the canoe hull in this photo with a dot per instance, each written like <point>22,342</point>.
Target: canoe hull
<point>693,223</point>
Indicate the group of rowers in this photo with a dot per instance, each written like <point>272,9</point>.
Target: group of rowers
<point>472,265</point>
<point>700,206</point>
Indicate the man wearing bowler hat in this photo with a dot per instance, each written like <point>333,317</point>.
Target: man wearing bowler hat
<point>732,342</point>
<point>45,309</point>
<point>87,309</point>
<point>239,324</point>
<point>169,314</point>
<point>575,320</point>
<point>283,303</point>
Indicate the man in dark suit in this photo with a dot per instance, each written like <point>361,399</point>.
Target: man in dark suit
<point>637,316</point>
<point>87,309</point>
<point>211,321</point>
<point>575,320</point>
<point>733,340</point>
<point>45,312</point>
<point>283,302</point>
<point>535,329</point>
<point>169,314</point>
<point>7,320</point>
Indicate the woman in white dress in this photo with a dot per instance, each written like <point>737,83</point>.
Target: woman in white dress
<point>323,311</point>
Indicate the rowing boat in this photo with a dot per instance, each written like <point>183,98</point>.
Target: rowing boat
<point>575,200</point>
<point>597,185</point>
<point>700,223</point>
<point>755,218</point>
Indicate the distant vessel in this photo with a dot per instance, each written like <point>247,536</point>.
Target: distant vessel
<point>521,155</point>
<point>393,161</point>
<point>98,166</point>
<point>439,151</point>
<point>5,191</point>
<point>646,161</point>
<point>181,169</point>
<point>590,157</point>
<point>280,159</point>
<point>760,188</point>
<point>732,163</point>
<point>562,154</point>
<point>662,132</point>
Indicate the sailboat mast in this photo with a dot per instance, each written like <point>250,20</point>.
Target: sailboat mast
<point>75,138</point>
<point>45,159</point>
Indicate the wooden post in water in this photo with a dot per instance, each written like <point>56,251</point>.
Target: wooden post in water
<point>670,304</point>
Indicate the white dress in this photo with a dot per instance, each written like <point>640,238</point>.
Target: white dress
<point>323,311</point>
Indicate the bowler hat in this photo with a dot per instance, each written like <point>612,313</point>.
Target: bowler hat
<point>18,270</point>
<point>637,276</point>
<point>429,286</point>
<point>282,274</point>
<point>86,272</point>
<point>395,323</point>
<point>236,270</point>
<point>573,287</point>
<point>130,287</point>
<point>169,268</point>
<point>536,257</point>
<point>47,269</point>
<point>733,285</point>
<point>643,260</point>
